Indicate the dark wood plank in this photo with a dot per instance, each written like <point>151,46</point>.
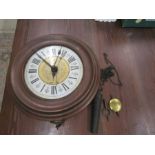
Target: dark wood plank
<point>133,53</point>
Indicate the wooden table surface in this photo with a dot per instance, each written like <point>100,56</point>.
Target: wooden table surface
<point>132,50</point>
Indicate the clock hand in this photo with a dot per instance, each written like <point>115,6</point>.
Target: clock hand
<point>44,60</point>
<point>62,55</point>
<point>57,56</point>
<point>54,69</point>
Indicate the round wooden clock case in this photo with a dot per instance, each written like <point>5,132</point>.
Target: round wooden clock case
<point>65,107</point>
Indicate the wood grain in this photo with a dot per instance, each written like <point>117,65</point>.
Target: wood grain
<point>133,53</point>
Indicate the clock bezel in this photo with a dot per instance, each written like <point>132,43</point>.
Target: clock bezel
<point>66,106</point>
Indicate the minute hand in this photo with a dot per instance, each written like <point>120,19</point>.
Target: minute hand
<point>44,60</point>
<point>57,56</point>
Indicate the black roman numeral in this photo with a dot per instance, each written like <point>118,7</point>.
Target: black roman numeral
<point>43,53</point>
<point>35,80</point>
<point>74,67</point>
<point>63,53</point>
<point>32,70</point>
<point>42,88</point>
<point>72,77</point>
<point>36,61</point>
<point>65,86</point>
<point>53,90</point>
<point>71,59</point>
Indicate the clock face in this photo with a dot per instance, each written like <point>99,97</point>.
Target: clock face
<point>53,72</point>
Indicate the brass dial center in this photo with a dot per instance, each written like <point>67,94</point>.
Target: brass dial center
<point>61,67</point>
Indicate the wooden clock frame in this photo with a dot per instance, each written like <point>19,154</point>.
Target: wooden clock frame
<point>63,108</point>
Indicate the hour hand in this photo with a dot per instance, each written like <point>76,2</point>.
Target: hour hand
<point>54,70</point>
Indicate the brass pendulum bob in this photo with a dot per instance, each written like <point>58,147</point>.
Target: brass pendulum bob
<point>115,105</point>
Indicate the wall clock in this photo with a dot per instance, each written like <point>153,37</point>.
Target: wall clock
<point>54,77</point>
